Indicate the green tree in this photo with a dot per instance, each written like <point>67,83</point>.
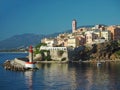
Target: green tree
<point>37,48</point>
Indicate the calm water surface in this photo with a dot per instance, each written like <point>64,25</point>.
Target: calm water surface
<point>74,76</point>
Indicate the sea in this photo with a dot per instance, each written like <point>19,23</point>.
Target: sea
<point>68,76</point>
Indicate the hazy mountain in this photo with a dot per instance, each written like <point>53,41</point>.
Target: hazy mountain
<point>25,40</point>
<point>18,41</point>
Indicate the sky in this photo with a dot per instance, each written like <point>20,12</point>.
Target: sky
<point>50,16</point>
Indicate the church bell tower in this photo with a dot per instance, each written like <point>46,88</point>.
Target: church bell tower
<point>74,26</point>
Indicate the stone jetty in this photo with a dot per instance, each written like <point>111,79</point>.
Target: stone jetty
<point>11,65</point>
<point>21,64</point>
<point>18,64</point>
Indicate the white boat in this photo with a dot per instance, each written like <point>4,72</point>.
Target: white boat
<point>98,63</point>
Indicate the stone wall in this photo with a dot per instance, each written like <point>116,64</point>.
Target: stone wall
<point>59,55</point>
<point>56,53</point>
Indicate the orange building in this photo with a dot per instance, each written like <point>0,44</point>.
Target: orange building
<point>115,32</point>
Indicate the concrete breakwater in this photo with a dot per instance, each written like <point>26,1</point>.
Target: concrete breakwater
<point>11,65</point>
<point>18,64</point>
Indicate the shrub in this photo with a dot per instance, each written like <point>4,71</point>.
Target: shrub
<point>63,59</point>
<point>60,52</point>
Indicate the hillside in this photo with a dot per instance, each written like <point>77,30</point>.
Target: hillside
<point>24,40</point>
<point>102,51</point>
<point>18,41</point>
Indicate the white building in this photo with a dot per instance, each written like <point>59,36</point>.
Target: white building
<point>49,42</point>
<point>106,35</point>
<point>53,48</point>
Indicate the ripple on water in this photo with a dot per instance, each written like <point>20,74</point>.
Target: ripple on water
<point>61,77</point>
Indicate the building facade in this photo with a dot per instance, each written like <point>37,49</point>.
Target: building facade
<point>106,35</point>
<point>115,32</point>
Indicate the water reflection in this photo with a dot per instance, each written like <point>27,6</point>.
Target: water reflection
<point>76,76</point>
<point>28,78</point>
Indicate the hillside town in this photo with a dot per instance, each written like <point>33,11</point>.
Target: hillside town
<point>84,35</point>
<point>86,44</point>
<point>100,42</point>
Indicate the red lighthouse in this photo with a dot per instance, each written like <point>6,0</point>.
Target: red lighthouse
<point>30,64</point>
<point>31,54</point>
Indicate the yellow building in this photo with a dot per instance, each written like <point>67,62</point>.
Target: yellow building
<point>74,42</point>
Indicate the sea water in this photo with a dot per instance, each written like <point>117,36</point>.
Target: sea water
<point>69,76</point>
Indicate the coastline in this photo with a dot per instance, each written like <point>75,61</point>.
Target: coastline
<point>102,61</point>
<point>88,61</point>
<point>13,52</point>
<point>38,62</point>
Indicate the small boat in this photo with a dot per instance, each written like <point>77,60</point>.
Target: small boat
<point>98,63</point>
<point>80,60</point>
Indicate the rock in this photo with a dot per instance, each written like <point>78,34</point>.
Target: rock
<point>38,57</point>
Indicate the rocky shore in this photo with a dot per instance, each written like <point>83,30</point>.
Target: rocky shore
<point>95,61</point>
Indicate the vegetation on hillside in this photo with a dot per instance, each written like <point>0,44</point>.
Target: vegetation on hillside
<point>102,51</point>
<point>44,53</point>
<point>37,48</point>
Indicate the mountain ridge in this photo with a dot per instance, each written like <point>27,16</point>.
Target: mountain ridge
<point>23,40</point>
<point>27,39</point>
